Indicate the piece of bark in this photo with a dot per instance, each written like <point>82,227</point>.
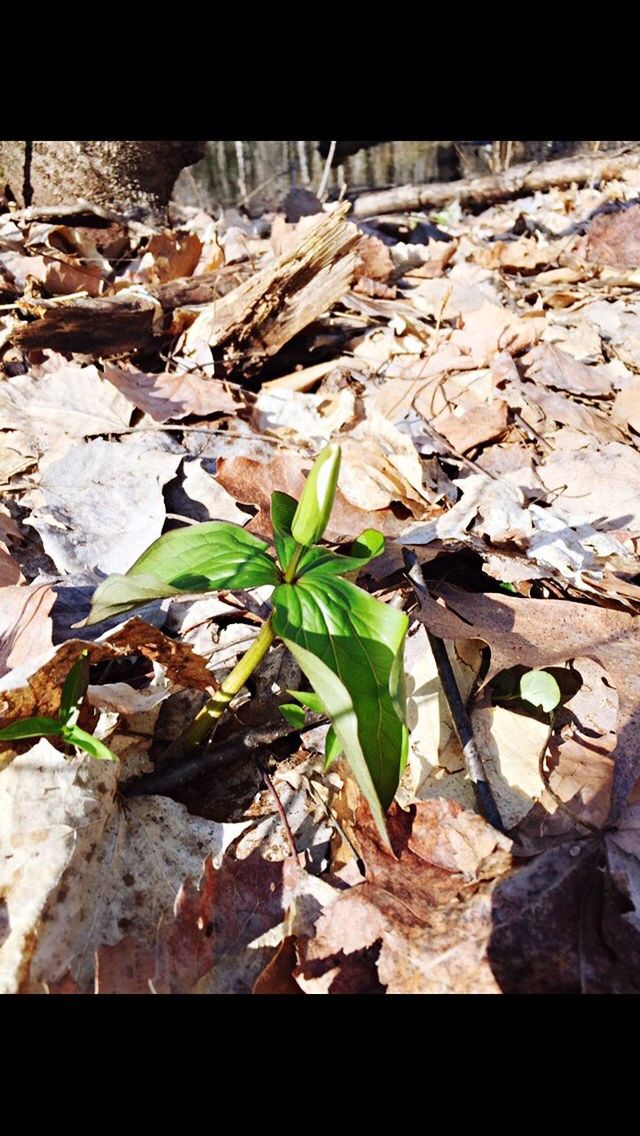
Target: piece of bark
<point>255,320</point>
<point>483,191</point>
<point>109,325</point>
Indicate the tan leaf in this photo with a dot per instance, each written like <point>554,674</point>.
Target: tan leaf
<point>165,396</point>
<point>101,505</point>
<point>74,400</point>
<point>84,871</point>
<point>25,624</point>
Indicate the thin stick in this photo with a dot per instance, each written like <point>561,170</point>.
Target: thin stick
<point>325,173</point>
<point>461,721</point>
<point>236,748</point>
<point>280,807</point>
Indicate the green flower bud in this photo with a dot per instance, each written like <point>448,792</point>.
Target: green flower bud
<point>316,503</point>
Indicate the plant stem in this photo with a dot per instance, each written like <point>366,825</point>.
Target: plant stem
<point>206,718</point>
<point>292,566</point>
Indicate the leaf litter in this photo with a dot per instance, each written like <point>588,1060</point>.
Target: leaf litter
<point>484,391</point>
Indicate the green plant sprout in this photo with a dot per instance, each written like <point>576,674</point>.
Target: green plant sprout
<point>65,725</point>
<point>348,644</point>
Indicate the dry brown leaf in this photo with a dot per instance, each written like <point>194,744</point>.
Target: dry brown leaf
<point>203,487</point>
<point>208,943</point>
<point>423,926</point>
<point>35,683</point>
<point>25,624</point>
<point>167,396</point>
<point>375,261</point>
<point>252,483</point>
<point>626,407</point>
<point>168,256</point>
<point>597,486</point>
<point>73,400</point>
<point>518,633</point>
<point>101,505</point>
<point>614,238</point>
<point>475,427</point>
<point>553,368</point>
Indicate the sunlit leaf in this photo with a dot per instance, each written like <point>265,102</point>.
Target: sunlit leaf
<point>358,640</point>
<point>196,558</point>
<point>540,689</point>
<point>293,714</point>
<point>332,748</point>
<point>31,728</point>
<point>74,690</point>
<point>95,748</point>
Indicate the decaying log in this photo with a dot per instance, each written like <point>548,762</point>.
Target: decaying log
<point>472,192</point>
<point>255,320</point>
<point>110,325</point>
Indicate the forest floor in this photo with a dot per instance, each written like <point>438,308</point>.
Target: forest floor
<point>481,371</point>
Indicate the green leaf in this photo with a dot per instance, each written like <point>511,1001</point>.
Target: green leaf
<point>323,561</point>
<point>315,505</point>
<point>332,748</point>
<point>80,738</point>
<point>283,509</point>
<point>293,714</point>
<point>309,699</point>
<point>197,558</point>
<point>540,689</point>
<point>31,728</point>
<point>359,641</point>
<point>74,690</point>
<point>369,544</point>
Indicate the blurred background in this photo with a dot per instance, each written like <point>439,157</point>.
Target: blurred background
<point>257,174</point>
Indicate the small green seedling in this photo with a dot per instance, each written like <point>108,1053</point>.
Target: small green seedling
<point>540,689</point>
<point>65,725</point>
<point>348,644</point>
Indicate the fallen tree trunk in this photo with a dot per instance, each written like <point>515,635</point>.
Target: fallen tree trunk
<point>484,191</point>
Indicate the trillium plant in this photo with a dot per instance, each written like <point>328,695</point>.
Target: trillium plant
<point>347,643</point>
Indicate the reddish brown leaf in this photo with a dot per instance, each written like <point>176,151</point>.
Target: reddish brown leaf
<point>614,238</point>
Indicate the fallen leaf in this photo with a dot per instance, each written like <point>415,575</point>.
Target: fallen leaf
<point>614,238</point>
<point>25,624</point>
<point>424,927</point>
<point>74,400</point>
<point>167,396</point>
<point>101,506</point>
<point>553,368</point>
<point>84,871</point>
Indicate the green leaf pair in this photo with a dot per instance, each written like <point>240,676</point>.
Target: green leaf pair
<point>348,644</point>
<point>65,725</point>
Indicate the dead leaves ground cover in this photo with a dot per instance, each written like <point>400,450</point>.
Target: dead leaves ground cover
<point>485,390</point>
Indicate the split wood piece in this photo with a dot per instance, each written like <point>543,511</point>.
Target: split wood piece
<point>461,720</point>
<point>255,320</point>
<point>109,325</point>
<point>484,191</point>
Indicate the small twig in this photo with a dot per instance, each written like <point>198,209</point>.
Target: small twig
<point>325,173</point>
<point>461,721</point>
<point>280,807</point>
<point>167,780</point>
